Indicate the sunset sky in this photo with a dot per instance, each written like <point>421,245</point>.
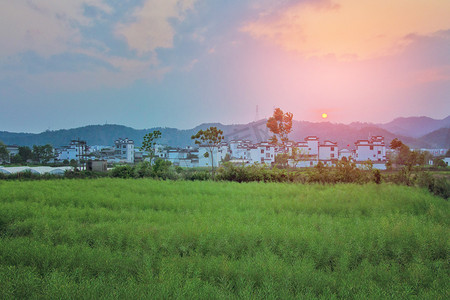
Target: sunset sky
<point>174,63</point>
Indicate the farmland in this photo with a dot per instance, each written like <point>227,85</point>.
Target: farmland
<point>142,238</point>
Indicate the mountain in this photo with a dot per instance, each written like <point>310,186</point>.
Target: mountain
<point>344,135</point>
<point>415,126</point>
<point>438,139</point>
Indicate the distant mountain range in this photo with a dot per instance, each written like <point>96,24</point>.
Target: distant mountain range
<point>416,132</point>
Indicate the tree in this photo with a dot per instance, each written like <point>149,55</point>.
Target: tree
<point>404,156</point>
<point>211,139</point>
<point>282,160</point>
<point>43,154</point>
<point>149,143</point>
<point>25,153</point>
<point>298,155</point>
<point>4,154</point>
<point>17,159</point>
<point>396,144</point>
<point>280,124</point>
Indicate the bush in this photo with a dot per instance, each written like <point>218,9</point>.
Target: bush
<point>123,172</point>
<point>144,169</point>
<point>163,169</point>
<point>441,187</point>
<point>196,175</point>
<point>376,176</point>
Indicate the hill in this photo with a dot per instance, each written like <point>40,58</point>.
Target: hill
<point>438,139</point>
<point>415,126</point>
<point>344,135</point>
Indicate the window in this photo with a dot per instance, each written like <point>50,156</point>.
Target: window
<point>267,155</point>
<point>310,163</point>
<point>262,151</point>
<point>374,155</point>
<point>371,147</point>
<point>124,152</point>
<point>332,149</point>
<point>268,148</point>
<point>124,146</point>
<point>379,152</point>
<point>332,154</point>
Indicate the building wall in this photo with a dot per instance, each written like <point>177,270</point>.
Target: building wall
<point>124,150</point>
<point>218,153</point>
<point>328,152</point>
<point>370,152</point>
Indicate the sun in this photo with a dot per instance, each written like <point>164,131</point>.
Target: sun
<point>324,115</point>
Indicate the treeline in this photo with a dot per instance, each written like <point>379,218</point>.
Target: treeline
<point>39,154</point>
<point>341,172</point>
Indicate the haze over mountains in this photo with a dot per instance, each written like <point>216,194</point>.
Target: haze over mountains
<point>416,132</point>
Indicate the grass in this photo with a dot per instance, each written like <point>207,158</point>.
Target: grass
<point>113,238</point>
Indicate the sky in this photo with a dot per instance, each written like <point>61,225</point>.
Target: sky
<point>175,63</point>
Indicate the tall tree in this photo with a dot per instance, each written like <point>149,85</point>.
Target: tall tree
<point>25,153</point>
<point>149,143</point>
<point>280,124</point>
<point>43,154</point>
<point>4,154</point>
<point>211,139</point>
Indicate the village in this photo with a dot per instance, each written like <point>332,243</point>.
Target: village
<point>307,153</point>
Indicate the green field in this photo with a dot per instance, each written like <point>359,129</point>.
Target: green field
<point>114,238</point>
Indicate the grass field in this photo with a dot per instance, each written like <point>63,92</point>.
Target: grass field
<point>115,238</point>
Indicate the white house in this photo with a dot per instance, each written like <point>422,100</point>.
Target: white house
<point>263,153</point>
<point>435,152</point>
<point>328,152</point>
<point>124,150</point>
<point>373,149</point>
<point>348,154</point>
<point>76,150</point>
<point>447,160</point>
<point>218,153</point>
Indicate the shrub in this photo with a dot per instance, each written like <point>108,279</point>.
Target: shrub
<point>163,169</point>
<point>144,169</point>
<point>441,187</point>
<point>123,172</point>
<point>376,176</point>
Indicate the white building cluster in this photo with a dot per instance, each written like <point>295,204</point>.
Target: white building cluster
<point>309,153</point>
<point>123,151</point>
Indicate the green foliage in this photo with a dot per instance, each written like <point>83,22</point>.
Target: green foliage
<point>17,159</point>
<point>25,153</point>
<point>134,239</point>
<point>376,176</point>
<point>149,143</point>
<point>211,139</point>
<point>281,160</point>
<point>123,172</point>
<point>405,157</point>
<point>163,169</point>
<point>440,163</point>
<point>230,172</point>
<point>438,186</point>
<point>43,154</point>
<point>4,154</point>
<point>73,163</point>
